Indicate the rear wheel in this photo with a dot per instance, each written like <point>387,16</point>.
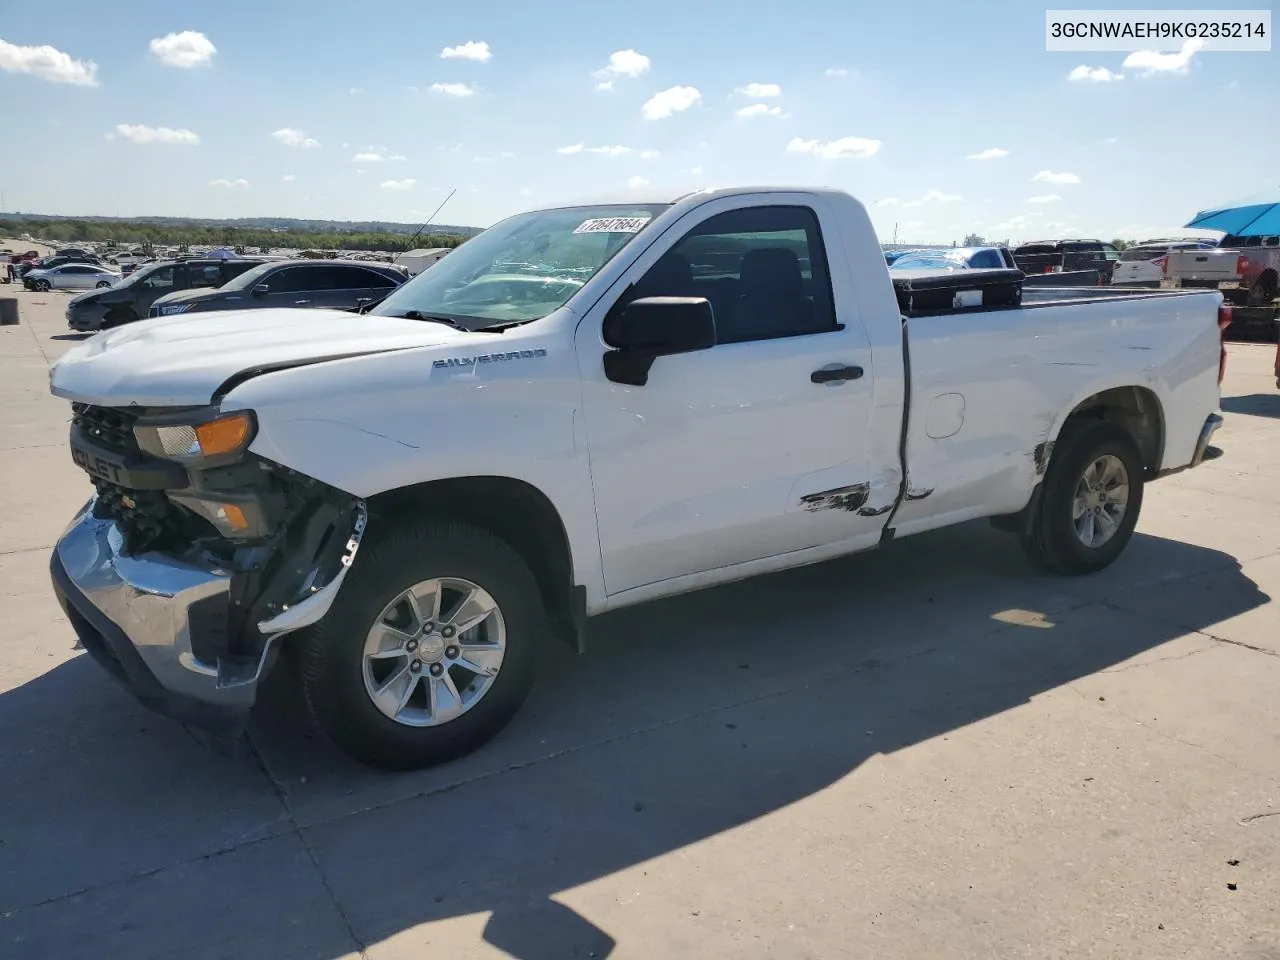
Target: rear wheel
<point>103,284</point>
<point>1263,292</point>
<point>428,651</point>
<point>41,286</point>
<point>1090,500</point>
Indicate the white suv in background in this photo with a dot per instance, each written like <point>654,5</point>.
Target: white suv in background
<point>1142,265</point>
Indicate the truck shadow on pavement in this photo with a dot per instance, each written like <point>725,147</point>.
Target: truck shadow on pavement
<point>686,719</point>
<point>1254,405</point>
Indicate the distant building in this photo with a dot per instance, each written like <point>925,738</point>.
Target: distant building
<point>415,261</point>
<point>973,240</point>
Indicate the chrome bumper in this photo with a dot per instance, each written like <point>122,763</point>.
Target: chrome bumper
<point>134,616</point>
<point>1211,425</point>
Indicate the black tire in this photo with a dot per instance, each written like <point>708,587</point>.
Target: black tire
<point>391,560</point>
<point>1051,540</point>
<point>41,286</point>
<point>118,318</point>
<point>1262,293</point>
<point>102,285</point>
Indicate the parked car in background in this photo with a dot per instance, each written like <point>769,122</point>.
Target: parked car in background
<point>48,263</point>
<point>891,255</point>
<point>1142,265</point>
<point>1245,269</point>
<point>957,258</point>
<point>336,284</point>
<point>131,299</point>
<point>1065,256</point>
<point>70,276</point>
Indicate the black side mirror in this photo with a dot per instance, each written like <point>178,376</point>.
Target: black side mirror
<point>653,327</point>
<point>261,290</point>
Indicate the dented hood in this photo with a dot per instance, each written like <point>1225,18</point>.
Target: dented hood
<point>182,361</point>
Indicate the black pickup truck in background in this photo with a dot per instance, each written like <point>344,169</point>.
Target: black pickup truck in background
<point>1067,256</point>
<point>131,299</point>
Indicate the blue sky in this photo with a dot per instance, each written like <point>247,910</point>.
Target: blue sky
<point>886,103</point>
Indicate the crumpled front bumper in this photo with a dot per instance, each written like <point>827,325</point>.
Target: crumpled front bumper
<point>137,616</point>
<point>134,616</point>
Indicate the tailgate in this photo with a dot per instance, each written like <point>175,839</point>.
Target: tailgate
<point>1202,264</point>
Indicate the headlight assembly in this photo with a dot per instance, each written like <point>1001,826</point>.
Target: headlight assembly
<point>215,438</point>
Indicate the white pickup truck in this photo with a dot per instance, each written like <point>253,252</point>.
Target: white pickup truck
<point>581,408</point>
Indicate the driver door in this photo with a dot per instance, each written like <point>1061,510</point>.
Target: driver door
<point>733,454</point>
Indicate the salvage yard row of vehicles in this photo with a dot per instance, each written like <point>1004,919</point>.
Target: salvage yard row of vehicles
<point>409,501</point>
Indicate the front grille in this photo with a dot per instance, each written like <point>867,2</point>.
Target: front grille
<point>110,426</point>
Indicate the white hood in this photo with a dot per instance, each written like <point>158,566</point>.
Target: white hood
<point>181,361</point>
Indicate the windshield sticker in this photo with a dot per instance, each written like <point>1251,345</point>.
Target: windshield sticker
<point>612,225</point>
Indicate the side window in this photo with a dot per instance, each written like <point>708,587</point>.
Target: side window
<point>368,280</point>
<point>764,270</point>
<point>353,278</point>
<point>161,279</point>
<point>76,270</point>
<point>986,259</point>
<point>203,275</point>
<point>298,280</point>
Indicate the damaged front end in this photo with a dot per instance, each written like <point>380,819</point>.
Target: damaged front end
<point>194,556</point>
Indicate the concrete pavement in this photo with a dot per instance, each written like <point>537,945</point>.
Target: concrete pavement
<point>928,752</point>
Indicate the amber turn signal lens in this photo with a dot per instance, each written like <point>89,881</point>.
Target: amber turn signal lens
<point>224,435</point>
<point>234,517</point>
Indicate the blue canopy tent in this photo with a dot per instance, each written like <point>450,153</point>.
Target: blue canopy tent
<point>1255,216</point>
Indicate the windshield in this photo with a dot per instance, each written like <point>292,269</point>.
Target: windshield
<point>521,269</point>
<point>249,278</point>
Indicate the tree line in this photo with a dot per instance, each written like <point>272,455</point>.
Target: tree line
<point>128,233</point>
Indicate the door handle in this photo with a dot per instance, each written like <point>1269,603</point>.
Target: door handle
<point>835,374</point>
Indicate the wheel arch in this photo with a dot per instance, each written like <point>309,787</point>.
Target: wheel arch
<point>1137,409</point>
<point>516,512</point>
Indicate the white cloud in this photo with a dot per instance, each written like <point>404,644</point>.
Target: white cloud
<point>235,184</point>
<point>669,101</point>
<point>615,151</point>
<point>649,154</point>
<point>368,157</point>
<point>571,149</point>
<point>635,183</point>
<point>991,153</point>
<point>888,202</point>
<point>185,50</point>
<point>140,133</point>
<point>697,171</point>
<point>835,72</point>
<point>395,157</point>
<point>1112,140</point>
<point>291,137</point>
<point>1048,176</point>
<point>933,196</point>
<point>289,178</point>
<point>48,63</point>
<point>452,89</point>
<point>1152,61</point>
<point>622,63</point>
<point>477,50</point>
<point>355,91</point>
<point>406,184</point>
<point>1044,198</point>
<point>760,110</point>
<point>858,148</point>
<point>604,85</point>
<point>757,90</point>
<point>1095,74</point>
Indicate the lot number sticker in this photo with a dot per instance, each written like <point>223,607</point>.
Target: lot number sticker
<point>612,225</point>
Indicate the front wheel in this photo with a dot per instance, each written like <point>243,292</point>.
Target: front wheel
<point>1091,497</point>
<point>41,286</point>
<point>429,649</point>
<point>103,284</point>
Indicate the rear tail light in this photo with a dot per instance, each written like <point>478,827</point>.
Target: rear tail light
<point>1163,264</point>
<point>1241,262</point>
<point>1224,321</point>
